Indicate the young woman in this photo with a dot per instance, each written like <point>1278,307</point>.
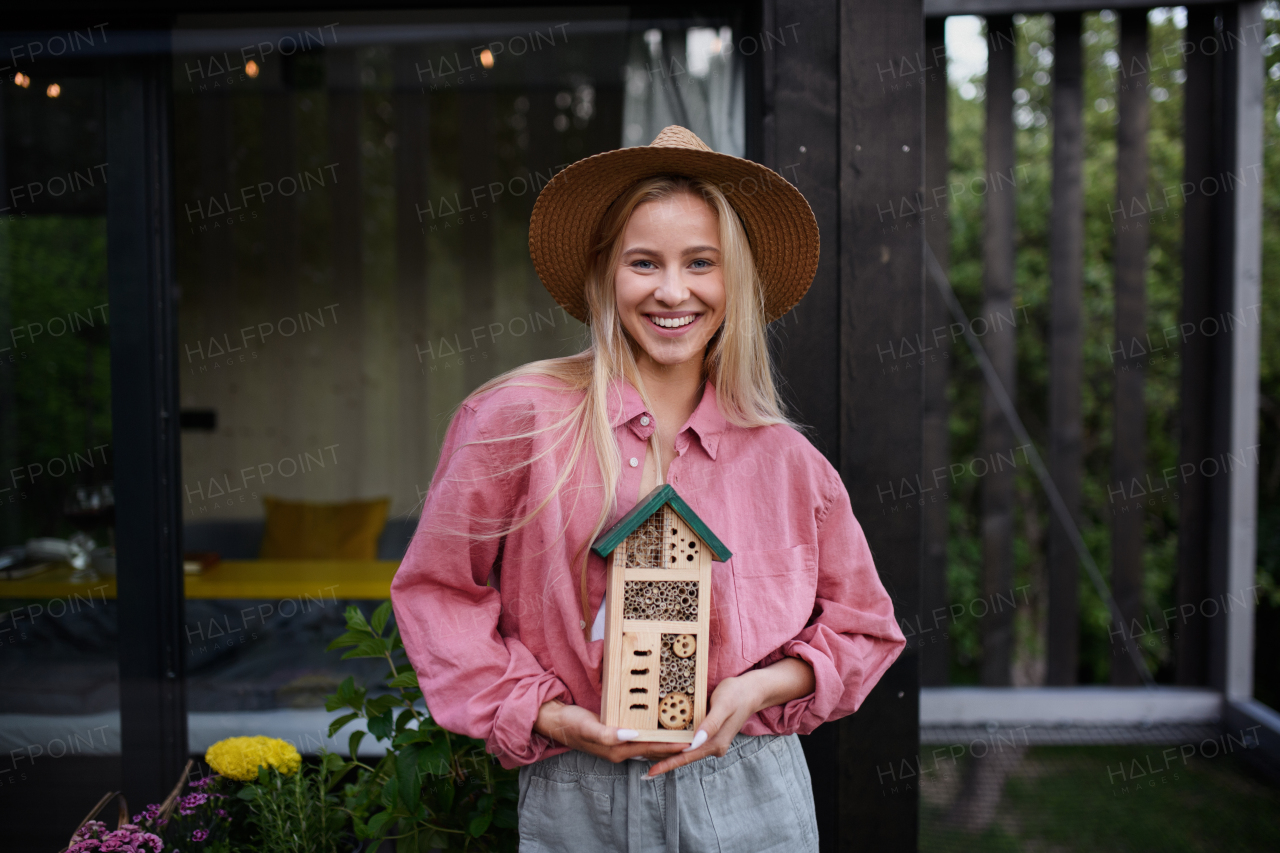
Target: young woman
<point>676,257</point>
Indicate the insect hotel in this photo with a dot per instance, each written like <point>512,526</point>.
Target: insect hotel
<point>658,596</point>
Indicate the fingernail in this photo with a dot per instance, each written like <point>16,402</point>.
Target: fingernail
<point>698,740</point>
<point>628,734</point>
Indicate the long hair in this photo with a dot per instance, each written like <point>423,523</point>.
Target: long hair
<point>737,356</point>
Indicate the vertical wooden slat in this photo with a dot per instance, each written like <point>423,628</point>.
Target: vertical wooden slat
<point>1200,153</point>
<point>1066,257</point>
<point>881,298</point>
<point>936,431</point>
<point>997,310</point>
<point>702,657</point>
<point>615,584</point>
<point>1128,449</point>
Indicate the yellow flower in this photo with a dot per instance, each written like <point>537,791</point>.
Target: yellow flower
<point>240,757</point>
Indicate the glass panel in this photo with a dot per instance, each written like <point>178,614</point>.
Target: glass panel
<point>352,210</point>
<point>59,707</point>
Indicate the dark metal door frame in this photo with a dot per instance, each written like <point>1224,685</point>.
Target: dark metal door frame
<point>144,400</point>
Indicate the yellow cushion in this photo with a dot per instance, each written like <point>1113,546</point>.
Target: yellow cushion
<point>316,531</point>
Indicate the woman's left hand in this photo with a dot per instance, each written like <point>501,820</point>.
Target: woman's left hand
<point>734,700</point>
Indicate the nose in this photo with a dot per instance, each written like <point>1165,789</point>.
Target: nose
<point>673,290</point>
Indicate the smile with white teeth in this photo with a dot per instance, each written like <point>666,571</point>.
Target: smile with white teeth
<point>673,322</point>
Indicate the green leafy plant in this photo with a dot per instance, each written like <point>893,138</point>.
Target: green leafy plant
<point>296,813</point>
<point>432,789</point>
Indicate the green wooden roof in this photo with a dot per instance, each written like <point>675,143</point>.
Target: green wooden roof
<point>650,504</point>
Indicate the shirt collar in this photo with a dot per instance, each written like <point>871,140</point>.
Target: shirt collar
<point>707,422</point>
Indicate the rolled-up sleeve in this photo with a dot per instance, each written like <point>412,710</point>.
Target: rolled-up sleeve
<point>475,681</point>
<point>852,638</point>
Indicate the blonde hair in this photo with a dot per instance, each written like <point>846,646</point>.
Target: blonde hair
<point>737,358</point>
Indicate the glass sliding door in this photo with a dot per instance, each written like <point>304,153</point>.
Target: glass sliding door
<point>249,267</point>
<point>59,706</point>
<point>352,200</point>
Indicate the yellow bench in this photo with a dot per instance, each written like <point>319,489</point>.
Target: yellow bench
<point>262,579</point>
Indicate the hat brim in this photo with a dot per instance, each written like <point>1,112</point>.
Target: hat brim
<point>778,221</point>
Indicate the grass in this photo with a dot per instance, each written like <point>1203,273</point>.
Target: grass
<point>1110,798</point>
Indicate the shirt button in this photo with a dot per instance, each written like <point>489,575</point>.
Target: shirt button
<point>634,462</point>
<point>644,421</point>
<point>582,624</point>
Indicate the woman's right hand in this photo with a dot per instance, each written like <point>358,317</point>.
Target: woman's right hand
<point>578,728</point>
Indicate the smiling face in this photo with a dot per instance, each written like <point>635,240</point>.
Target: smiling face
<point>669,282</point>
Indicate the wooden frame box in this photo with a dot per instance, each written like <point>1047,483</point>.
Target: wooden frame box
<point>657,618</point>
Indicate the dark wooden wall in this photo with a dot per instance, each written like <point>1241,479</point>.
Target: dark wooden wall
<point>844,119</point>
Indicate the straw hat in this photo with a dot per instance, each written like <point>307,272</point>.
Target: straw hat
<point>777,219</point>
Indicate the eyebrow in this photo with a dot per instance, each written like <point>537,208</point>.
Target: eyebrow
<point>692,250</point>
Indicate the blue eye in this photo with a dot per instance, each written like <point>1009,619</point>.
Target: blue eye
<point>705,264</point>
<point>638,263</point>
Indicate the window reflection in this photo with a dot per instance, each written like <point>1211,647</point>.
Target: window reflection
<point>352,209</point>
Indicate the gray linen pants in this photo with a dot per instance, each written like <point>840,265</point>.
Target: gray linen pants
<point>756,798</point>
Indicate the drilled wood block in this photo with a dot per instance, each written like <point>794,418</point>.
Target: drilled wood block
<point>639,682</point>
<point>682,546</point>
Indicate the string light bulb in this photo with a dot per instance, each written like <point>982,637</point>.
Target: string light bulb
<point>54,90</point>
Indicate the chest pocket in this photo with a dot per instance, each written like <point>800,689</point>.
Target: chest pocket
<point>776,591</point>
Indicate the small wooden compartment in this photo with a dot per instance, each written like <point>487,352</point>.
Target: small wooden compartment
<point>658,600</point>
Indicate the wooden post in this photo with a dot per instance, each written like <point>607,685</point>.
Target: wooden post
<point>1129,425</point>
<point>997,311</point>
<point>801,142</point>
<point>834,128</point>
<point>881,298</point>
<point>1066,261</point>
<point>1233,538</point>
<point>1201,143</point>
<point>936,435</point>
<point>801,90</point>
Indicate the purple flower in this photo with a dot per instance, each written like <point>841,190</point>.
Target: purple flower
<point>200,835</point>
<point>188,804</point>
<point>91,829</point>
<point>150,813</point>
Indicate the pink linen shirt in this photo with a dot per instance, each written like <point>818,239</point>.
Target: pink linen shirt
<point>494,632</point>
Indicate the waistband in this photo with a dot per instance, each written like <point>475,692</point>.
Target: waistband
<point>574,763</point>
